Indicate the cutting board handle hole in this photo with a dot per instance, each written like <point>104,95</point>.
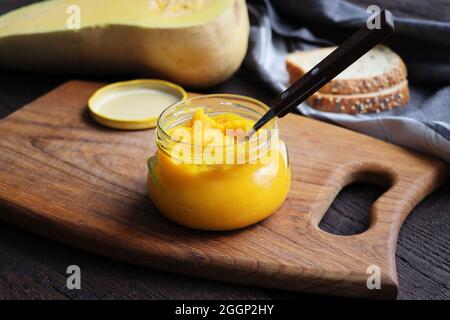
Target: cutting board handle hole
<point>357,196</point>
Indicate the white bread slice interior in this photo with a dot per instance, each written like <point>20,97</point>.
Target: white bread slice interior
<point>377,70</point>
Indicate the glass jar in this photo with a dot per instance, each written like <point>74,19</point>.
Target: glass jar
<point>219,196</point>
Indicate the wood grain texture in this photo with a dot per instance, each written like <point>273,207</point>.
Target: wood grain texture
<point>67,178</point>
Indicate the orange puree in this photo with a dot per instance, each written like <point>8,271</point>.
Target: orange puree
<point>219,130</point>
<point>220,196</point>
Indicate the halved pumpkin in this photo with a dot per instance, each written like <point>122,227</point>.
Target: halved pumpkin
<point>196,43</point>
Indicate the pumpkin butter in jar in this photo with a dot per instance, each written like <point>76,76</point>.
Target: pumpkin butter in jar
<point>206,173</point>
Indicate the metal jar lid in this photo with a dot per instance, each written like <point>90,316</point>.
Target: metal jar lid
<point>134,105</point>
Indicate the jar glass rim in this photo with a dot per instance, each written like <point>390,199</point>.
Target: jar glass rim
<point>223,96</point>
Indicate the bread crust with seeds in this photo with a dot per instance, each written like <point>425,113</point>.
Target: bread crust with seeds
<point>394,97</point>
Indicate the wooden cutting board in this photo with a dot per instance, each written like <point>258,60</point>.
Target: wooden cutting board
<point>67,178</point>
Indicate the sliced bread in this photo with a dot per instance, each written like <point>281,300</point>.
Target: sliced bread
<point>394,97</point>
<point>378,70</point>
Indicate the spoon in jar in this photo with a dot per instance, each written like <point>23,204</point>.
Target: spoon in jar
<point>340,59</point>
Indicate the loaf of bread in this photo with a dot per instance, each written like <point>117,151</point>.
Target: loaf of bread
<point>376,82</point>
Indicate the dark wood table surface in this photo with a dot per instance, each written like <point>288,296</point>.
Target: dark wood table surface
<point>32,267</point>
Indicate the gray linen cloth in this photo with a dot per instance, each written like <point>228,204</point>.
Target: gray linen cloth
<point>422,39</point>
